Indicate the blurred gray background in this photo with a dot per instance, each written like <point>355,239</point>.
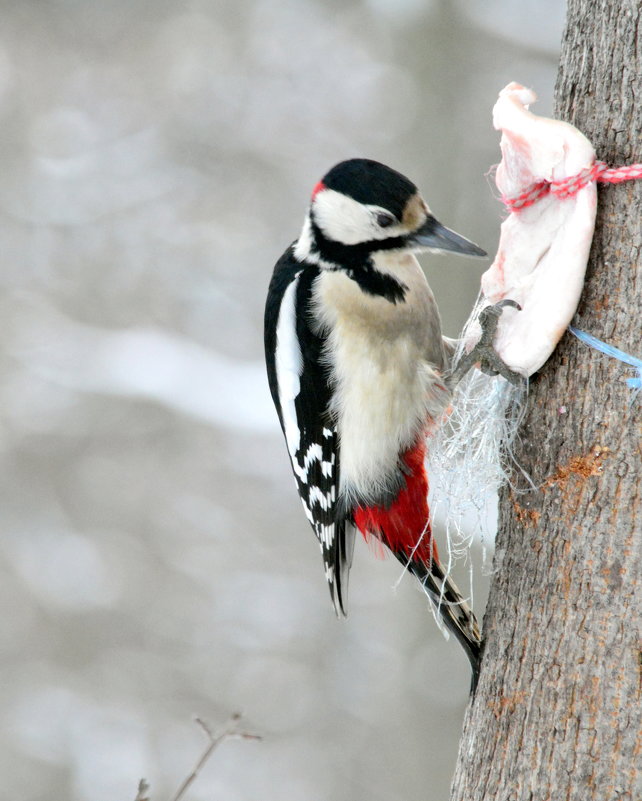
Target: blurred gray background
<point>155,564</point>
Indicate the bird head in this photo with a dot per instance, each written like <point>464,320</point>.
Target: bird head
<point>362,206</point>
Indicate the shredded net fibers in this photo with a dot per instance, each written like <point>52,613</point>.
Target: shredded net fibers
<point>470,456</point>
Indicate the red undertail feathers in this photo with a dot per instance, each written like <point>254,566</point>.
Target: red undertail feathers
<point>404,527</point>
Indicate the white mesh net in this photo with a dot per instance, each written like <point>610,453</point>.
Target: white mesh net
<point>471,455</point>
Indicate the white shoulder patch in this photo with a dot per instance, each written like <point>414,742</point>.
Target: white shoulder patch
<point>289,364</point>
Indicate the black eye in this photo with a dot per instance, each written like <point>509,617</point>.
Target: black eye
<point>385,220</point>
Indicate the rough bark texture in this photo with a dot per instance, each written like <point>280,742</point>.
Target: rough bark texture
<point>557,712</point>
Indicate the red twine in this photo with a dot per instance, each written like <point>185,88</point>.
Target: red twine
<point>568,187</point>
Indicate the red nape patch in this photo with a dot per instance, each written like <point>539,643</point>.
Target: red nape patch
<point>405,526</point>
<point>318,188</point>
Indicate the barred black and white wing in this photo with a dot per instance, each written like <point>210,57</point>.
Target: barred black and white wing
<point>301,392</point>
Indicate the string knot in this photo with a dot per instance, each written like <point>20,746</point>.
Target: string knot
<point>567,187</point>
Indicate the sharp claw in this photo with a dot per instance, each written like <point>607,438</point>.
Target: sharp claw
<point>483,352</point>
<point>507,302</point>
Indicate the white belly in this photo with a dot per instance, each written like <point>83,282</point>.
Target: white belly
<point>384,404</point>
<point>387,391</point>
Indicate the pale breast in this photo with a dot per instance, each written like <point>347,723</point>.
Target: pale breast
<point>387,359</point>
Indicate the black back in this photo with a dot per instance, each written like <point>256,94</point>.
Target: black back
<point>316,459</point>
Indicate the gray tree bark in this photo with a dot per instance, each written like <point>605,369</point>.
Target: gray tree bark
<point>557,714</point>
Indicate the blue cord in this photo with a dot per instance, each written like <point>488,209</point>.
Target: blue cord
<point>593,342</point>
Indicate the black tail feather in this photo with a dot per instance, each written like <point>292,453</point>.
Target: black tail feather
<point>452,608</point>
<point>341,555</point>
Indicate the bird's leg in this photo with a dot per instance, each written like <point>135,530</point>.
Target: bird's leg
<point>483,353</point>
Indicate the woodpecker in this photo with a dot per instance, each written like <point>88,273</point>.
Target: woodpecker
<point>358,371</point>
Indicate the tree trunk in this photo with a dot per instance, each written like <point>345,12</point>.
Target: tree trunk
<point>557,712</point>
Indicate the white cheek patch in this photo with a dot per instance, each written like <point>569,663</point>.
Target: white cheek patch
<point>345,220</point>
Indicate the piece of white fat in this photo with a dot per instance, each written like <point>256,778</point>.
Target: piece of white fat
<point>543,248</point>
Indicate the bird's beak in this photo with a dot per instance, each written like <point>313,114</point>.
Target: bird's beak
<point>434,236</point>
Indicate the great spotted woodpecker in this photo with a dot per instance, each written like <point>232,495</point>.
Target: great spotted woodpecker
<point>358,368</point>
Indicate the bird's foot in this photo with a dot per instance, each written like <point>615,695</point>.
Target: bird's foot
<point>483,354</point>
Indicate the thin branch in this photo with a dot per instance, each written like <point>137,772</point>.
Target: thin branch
<point>214,740</point>
<point>143,789</point>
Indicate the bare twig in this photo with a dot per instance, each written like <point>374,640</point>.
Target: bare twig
<point>214,740</point>
<point>143,789</point>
